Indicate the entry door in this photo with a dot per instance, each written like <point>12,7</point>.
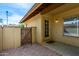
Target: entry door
<point>46,28</point>
<point>26,36</point>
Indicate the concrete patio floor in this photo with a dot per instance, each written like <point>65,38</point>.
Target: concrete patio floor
<point>29,50</point>
<point>49,49</point>
<point>63,49</point>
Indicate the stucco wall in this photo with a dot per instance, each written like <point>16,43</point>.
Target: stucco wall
<point>58,28</point>
<point>36,22</point>
<point>0,38</point>
<point>11,37</point>
<point>33,34</point>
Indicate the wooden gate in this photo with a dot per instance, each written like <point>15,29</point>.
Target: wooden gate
<point>26,36</point>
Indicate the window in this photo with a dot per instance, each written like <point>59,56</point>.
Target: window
<point>46,28</point>
<point>71,26</point>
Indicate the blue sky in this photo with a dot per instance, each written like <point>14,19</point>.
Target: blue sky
<point>16,11</point>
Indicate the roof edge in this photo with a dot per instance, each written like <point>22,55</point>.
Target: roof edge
<point>34,7</point>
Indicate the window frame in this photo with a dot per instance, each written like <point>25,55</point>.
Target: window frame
<point>77,25</point>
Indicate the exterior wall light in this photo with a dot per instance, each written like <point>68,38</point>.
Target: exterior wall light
<point>56,21</point>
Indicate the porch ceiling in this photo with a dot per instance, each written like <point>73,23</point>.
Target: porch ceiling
<point>40,7</point>
<point>63,8</point>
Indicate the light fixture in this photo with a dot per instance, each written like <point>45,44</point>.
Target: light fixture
<point>56,21</point>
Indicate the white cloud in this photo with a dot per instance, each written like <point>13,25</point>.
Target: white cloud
<point>16,5</point>
<point>14,14</point>
<point>14,19</point>
<point>23,5</point>
<point>16,11</point>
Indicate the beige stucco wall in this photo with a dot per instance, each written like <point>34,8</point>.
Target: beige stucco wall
<point>33,34</point>
<point>11,37</point>
<point>58,28</point>
<point>0,38</point>
<point>36,22</point>
<point>17,37</point>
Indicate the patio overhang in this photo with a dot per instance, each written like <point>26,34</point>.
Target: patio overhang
<point>40,7</point>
